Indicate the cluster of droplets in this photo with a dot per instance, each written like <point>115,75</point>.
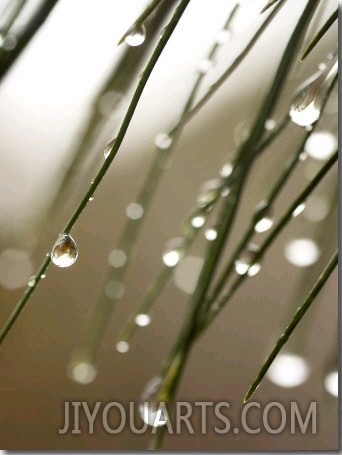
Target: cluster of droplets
<point>136,36</point>
<point>151,409</point>
<point>246,263</point>
<point>309,98</point>
<point>64,252</point>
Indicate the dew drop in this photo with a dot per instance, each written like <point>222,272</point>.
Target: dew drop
<point>226,170</point>
<point>122,347</point>
<point>303,156</point>
<point>245,264</point>
<point>321,145</point>
<point>64,252</point>
<point>150,408</point>
<point>210,234</point>
<point>91,198</point>
<point>82,372</point>
<point>174,251</point>
<point>9,43</point>
<point>142,320</point>
<point>264,224</point>
<point>31,281</point>
<point>209,192</point>
<point>298,210</point>
<point>163,141</point>
<point>205,65</point>
<point>134,211</point>
<point>108,148</point>
<point>270,124</point>
<point>302,252</point>
<point>136,36</point>
<point>114,289</point>
<point>117,258</point>
<point>309,98</point>
<point>42,276</point>
<point>198,221</point>
<point>223,36</point>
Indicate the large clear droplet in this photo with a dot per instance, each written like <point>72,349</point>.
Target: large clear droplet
<point>208,193</point>
<point>174,251</point>
<point>308,99</point>
<point>302,252</point>
<point>108,148</point>
<point>136,36</point>
<point>149,407</point>
<point>198,221</point>
<point>321,145</point>
<point>246,263</point>
<point>64,252</point>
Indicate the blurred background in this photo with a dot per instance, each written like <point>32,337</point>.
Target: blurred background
<point>46,100</point>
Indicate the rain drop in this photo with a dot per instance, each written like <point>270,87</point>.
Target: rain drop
<point>163,141</point>
<point>136,36</point>
<point>142,320</point>
<point>308,99</point>
<point>31,281</point>
<point>209,192</point>
<point>174,251</point>
<point>245,264</point>
<point>149,407</point>
<point>210,234</point>
<point>64,252</point>
<point>108,148</point>
<point>122,347</point>
<point>134,211</point>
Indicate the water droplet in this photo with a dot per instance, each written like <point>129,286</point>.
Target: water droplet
<point>298,210</point>
<point>149,407</point>
<point>136,36</point>
<point>42,276</point>
<point>122,347</point>
<point>162,31</point>
<point>163,141</point>
<point>209,192</point>
<point>302,252</point>
<point>210,234</point>
<point>198,221</point>
<point>92,181</point>
<point>9,43</point>
<point>223,36</point>
<point>142,320</point>
<point>317,208</point>
<point>270,124</point>
<point>114,289</point>
<point>241,132</point>
<point>205,65</point>
<point>82,372</point>
<point>225,192</point>
<point>289,370</point>
<point>174,251</point>
<point>303,156</point>
<point>134,211</point>
<point>91,198</point>
<point>108,148</point>
<point>117,258</point>
<point>31,281</point>
<point>226,170</point>
<point>308,99</point>
<point>321,145</point>
<point>245,264</point>
<point>64,252</point>
<point>264,224</point>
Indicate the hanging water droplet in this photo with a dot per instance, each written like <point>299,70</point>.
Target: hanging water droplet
<point>223,36</point>
<point>31,281</point>
<point>270,124</point>
<point>321,145</point>
<point>210,234</point>
<point>91,198</point>
<point>245,264</point>
<point>198,221</point>
<point>205,65</point>
<point>142,320</point>
<point>308,99</point>
<point>209,193</point>
<point>174,251</point>
<point>226,170</point>
<point>108,148</point>
<point>64,252</point>
<point>298,210</point>
<point>149,407</point>
<point>82,372</point>
<point>136,36</point>
<point>263,218</point>
<point>42,276</point>
<point>134,211</point>
<point>163,141</point>
<point>117,258</point>
<point>122,347</point>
